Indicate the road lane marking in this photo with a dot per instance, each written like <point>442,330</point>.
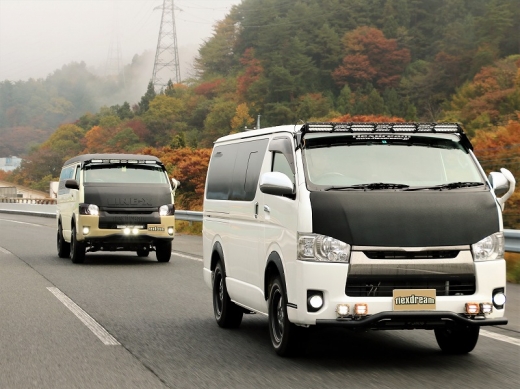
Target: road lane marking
<point>503,338</point>
<point>187,256</point>
<point>2,250</point>
<point>15,221</point>
<point>91,324</point>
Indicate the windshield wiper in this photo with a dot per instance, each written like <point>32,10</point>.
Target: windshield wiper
<point>451,185</point>
<point>372,186</point>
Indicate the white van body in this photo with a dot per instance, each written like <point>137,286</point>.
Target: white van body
<point>361,225</point>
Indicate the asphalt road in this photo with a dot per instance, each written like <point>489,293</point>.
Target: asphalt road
<point>144,324</point>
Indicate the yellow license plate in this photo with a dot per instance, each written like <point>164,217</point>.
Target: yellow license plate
<point>414,299</point>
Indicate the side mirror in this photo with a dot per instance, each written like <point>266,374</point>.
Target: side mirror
<point>71,184</point>
<point>276,183</point>
<point>503,184</point>
<point>175,184</point>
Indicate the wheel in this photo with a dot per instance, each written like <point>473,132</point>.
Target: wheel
<point>163,251</point>
<point>227,313</point>
<point>63,247</point>
<point>284,334</point>
<point>77,249</point>
<point>143,252</point>
<point>457,340</point>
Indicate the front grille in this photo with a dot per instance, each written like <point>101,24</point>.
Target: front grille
<point>396,254</point>
<point>383,286</point>
<point>111,219</point>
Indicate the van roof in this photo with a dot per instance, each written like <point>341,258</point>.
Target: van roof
<point>292,128</point>
<point>89,157</point>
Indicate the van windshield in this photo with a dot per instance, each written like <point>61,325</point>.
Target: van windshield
<point>387,161</point>
<point>124,174</point>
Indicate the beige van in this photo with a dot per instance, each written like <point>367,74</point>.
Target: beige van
<point>115,202</point>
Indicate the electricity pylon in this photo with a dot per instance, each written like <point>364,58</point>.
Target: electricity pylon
<point>114,65</point>
<point>166,66</point>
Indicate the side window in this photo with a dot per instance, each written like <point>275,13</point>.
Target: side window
<point>220,172</point>
<point>281,164</point>
<point>234,170</point>
<point>66,174</point>
<point>247,169</point>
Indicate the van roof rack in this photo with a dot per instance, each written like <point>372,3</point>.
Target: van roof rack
<point>399,128</point>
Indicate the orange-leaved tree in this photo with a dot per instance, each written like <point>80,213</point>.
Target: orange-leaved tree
<point>371,58</point>
<point>497,148</point>
<point>189,166</point>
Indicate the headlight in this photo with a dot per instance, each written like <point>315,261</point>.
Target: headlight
<point>165,210</point>
<point>89,209</point>
<point>489,248</point>
<point>321,248</point>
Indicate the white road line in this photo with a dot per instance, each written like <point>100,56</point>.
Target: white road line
<point>2,250</point>
<point>92,325</point>
<point>503,338</point>
<point>15,221</point>
<point>187,256</point>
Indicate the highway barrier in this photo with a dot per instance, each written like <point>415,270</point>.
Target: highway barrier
<point>45,209</point>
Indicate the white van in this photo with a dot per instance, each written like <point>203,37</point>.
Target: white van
<point>360,225</point>
<point>115,202</point>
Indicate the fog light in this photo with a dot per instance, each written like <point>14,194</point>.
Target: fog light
<point>472,308</point>
<point>126,231</point>
<point>361,309</point>
<point>342,310</point>
<point>171,230</point>
<point>86,230</point>
<point>135,230</point>
<point>316,301</point>
<point>499,299</point>
<point>486,308</point>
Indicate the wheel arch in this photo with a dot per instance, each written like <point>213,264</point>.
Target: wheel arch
<point>273,268</point>
<point>217,254</point>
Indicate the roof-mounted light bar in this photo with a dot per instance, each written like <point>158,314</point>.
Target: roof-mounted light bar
<point>132,161</point>
<point>383,127</point>
<point>402,128</point>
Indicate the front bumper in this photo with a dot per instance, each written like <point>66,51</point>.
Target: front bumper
<point>150,232</point>
<point>331,280</point>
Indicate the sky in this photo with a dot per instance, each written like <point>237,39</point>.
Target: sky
<point>38,37</point>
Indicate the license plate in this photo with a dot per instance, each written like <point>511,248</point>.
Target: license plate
<point>414,299</point>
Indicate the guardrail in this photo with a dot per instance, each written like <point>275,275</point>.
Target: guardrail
<point>512,237</point>
<point>512,240</point>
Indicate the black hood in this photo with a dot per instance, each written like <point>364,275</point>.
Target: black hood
<point>405,219</point>
<point>127,196</point>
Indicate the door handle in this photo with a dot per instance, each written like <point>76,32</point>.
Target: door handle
<point>256,210</point>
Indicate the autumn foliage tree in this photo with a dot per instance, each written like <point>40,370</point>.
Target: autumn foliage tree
<point>189,166</point>
<point>371,58</point>
<point>500,148</point>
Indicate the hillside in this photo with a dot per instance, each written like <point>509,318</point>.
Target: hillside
<point>279,62</point>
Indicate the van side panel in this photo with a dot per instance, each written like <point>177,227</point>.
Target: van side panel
<point>231,211</point>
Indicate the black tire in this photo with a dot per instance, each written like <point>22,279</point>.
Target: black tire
<point>143,252</point>
<point>283,333</point>
<point>457,340</point>
<point>63,247</point>
<point>163,251</point>
<point>227,313</point>
<point>77,249</point>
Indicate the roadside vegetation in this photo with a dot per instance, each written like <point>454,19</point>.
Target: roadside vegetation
<point>278,62</point>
